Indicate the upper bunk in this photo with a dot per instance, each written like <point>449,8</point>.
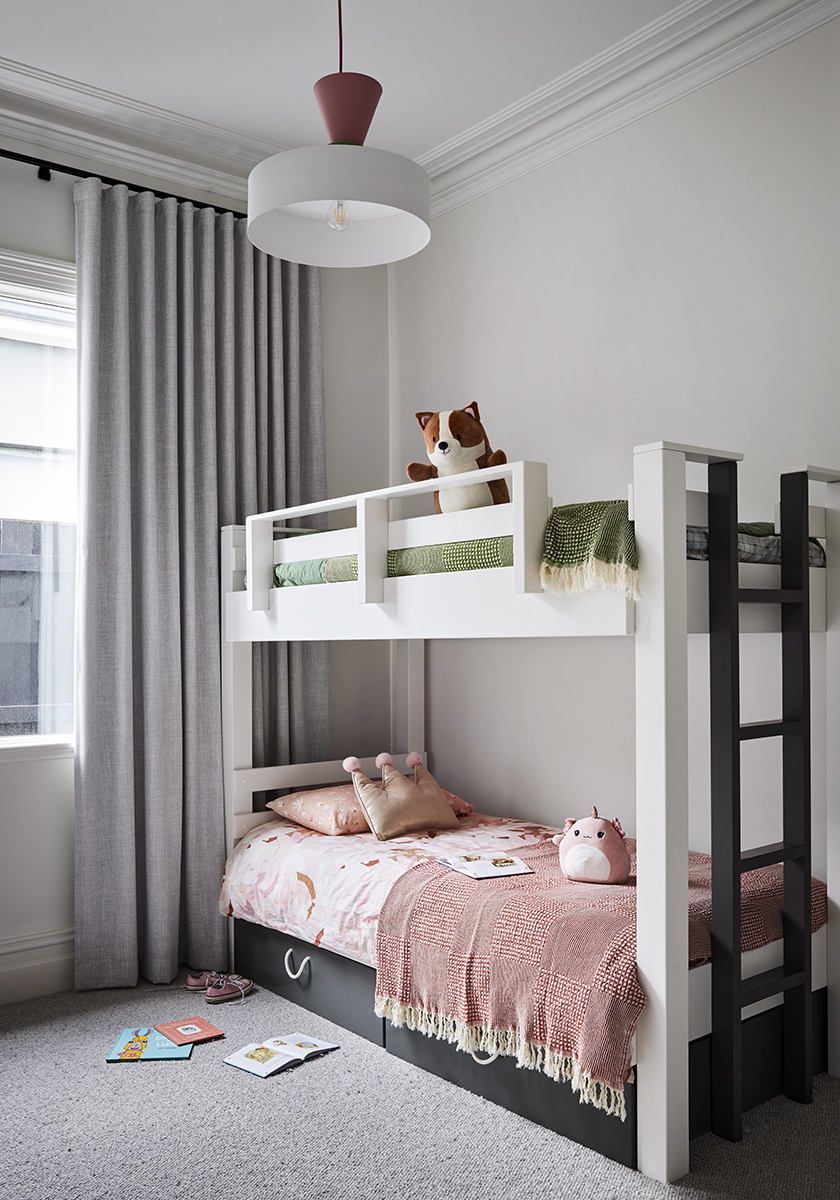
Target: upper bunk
<point>492,602</point>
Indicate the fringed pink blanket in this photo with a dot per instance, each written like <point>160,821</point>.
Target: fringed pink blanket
<point>762,897</point>
<point>530,965</point>
<point>541,968</point>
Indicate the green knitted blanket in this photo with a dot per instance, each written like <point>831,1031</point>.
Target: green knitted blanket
<point>590,546</point>
<point>586,546</point>
<point>475,555</point>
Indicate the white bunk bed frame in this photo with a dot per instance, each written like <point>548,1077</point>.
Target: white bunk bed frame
<point>507,602</point>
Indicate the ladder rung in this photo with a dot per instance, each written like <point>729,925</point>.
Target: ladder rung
<point>771,596</point>
<point>770,983</point>
<point>776,852</point>
<point>766,729</point>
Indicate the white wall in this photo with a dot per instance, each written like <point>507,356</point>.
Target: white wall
<point>36,873</point>
<point>356,384</point>
<point>36,217</point>
<point>676,280</point>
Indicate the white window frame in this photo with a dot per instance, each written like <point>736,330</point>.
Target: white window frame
<point>48,281</point>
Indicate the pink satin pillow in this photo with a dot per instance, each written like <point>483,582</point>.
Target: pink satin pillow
<point>336,810</point>
<point>459,806</point>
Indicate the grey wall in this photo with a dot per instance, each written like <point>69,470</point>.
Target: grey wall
<point>676,280</point>
<point>36,217</point>
<point>356,380</point>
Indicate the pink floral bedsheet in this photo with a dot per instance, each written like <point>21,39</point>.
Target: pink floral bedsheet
<point>329,890</point>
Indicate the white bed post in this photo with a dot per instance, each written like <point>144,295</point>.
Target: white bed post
<point>237,699</point>
<point>832,667</point>
<point>530,488</point>
<point>408,696</point>
<point>662,812</point>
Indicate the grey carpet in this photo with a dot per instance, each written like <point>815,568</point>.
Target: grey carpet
<point>357,1123</point>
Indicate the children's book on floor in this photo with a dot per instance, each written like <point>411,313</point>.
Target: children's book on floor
<point>485,866</point>
<point>142,1045</point>
<point>189,1030</point>
<point>279,1053</point>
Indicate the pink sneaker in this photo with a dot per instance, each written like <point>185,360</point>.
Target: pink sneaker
<point>201,981</point>
<point>228,987</point>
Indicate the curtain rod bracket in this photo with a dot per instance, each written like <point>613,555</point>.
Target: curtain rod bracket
<point>46,169</point>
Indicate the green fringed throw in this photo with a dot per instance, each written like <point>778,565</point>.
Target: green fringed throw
<point>590,546</point>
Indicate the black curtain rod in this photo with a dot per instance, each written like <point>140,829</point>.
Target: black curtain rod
<point>46,168</point>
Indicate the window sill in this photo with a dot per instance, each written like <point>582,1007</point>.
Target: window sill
<point>36,746</point>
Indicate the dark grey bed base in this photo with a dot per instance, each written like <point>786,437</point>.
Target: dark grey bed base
<point>342,991</point>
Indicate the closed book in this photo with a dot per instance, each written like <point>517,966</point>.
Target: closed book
<point>142,1045</point>
<point>191,1029</point>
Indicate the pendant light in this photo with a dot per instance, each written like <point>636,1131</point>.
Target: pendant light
<point>345,204</point>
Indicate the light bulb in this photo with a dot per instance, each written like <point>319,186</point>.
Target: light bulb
<point>339,215</point>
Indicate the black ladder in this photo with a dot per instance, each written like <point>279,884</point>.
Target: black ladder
<point>731,994</point>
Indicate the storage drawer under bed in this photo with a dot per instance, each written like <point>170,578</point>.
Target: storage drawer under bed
<point>331,985</point>
<point>342,990</point>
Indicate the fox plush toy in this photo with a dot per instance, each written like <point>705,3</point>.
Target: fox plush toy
<point>456,443</point>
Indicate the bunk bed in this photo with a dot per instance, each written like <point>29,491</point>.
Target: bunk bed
<point>677,598</point>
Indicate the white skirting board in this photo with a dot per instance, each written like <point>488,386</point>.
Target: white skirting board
<point>36,964</point>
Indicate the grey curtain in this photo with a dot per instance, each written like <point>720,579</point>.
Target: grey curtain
<point>201,401</point>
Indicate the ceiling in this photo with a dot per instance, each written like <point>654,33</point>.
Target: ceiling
<point>469,87</point>
<point>444,65</point>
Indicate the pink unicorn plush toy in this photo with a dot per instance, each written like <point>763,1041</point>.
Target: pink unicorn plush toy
<point>593,850</point>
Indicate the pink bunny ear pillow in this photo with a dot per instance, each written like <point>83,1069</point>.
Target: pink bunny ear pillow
<point>593,850</point>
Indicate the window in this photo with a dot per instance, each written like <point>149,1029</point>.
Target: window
<point>37,495</point>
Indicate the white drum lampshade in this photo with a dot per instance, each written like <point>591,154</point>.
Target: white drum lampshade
<point>290,194</point>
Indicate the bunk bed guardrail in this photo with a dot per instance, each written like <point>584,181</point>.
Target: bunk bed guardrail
<point>531,508</point>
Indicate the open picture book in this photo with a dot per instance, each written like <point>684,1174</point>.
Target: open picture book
<point>279,1053</point>
<point>485,866</point>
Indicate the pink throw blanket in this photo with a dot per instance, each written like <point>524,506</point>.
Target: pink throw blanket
<point>528,965</point>
<point>539,967</point>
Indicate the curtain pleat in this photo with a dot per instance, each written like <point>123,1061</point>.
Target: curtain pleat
<point>187,363</point>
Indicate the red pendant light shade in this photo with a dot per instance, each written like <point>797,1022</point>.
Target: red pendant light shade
<point>347,102</point>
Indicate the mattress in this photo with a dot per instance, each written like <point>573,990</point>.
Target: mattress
<point>474,555</point>
<point>329,890</point>
<point>757,543</point>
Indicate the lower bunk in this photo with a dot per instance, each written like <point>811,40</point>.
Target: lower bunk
<point>309,910</point>
<point>342,990</point>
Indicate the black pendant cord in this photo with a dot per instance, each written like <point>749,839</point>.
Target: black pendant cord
<point>45,169</point>
<point>340,40</point>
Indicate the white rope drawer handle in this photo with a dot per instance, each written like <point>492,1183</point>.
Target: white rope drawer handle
<point>294,974</point>
<point>485,1062</point>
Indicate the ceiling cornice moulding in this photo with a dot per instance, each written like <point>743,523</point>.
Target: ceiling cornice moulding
<point>694,45</point>
<point>125,137</point>
<point>125,120</point>
<point>117,159</point>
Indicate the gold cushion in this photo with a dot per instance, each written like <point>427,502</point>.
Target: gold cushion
<point>403,805</point>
